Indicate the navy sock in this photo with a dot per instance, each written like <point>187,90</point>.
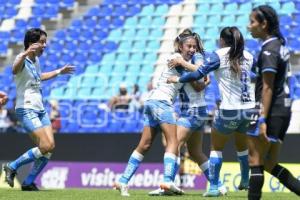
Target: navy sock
<point>286,178</point>
<point>256,182</point>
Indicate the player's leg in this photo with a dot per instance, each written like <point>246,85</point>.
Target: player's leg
<point>257,151</point>
<point>135,159</point>
<point>277,128</point>
<point>170,157</point>
<point>218,141</point>
<point>43,139</point>
<point>242,154</point>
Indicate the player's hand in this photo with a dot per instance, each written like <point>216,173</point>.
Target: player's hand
<point>3,98</point>
<point>33,48</point>
<point>173,79</point>
<point>67,69</point>
<point>263,132</point>
<point>175,62</point>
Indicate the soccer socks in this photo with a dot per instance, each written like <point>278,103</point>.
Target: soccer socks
<point>26,158</point>
<point>177,165</point>
<point>286,178</point>
<point>244,165</point>
<point>170,160</point>
<point>38,166</point>
<point>256,182</point>
<point>215,164</point>
<point>133,164</point>
<point>205,169</point>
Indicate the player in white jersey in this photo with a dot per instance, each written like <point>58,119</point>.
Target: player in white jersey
<point>159,114</point>
<point>232,66</point>
<point>29,107</point>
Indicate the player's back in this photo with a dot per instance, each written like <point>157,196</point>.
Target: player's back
<point>236,91</point>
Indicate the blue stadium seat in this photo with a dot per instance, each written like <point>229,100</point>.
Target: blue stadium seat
<point>133,10</point>
<point>106,10</point>
<point>66,4</point>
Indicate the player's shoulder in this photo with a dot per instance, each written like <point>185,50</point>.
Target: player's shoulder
<point>175,55</point>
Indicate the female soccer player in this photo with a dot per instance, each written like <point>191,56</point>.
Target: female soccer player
<point>269,130</point>
<point>29,107</point>
<point>232,65</point>
<point>159,114</point>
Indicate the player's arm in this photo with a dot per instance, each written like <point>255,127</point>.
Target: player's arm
<point>67,69</point>
<point>179,61</point>
<point>199,86</point>
<point>211,63</point>
<point>19,62</point>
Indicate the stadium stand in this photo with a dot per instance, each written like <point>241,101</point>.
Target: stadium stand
<point>118,41</point>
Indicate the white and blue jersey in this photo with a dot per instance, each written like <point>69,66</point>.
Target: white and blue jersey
<point>29,104</point>
<point>193,111</point>
<point>236,91</point>
<point>159,107</point>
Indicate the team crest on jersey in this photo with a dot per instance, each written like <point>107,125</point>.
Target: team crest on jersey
<point>267,53</point>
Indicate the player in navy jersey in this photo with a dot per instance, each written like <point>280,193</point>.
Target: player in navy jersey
<point>231,65</point>
<point>271,123</point>
<point>30,110</point>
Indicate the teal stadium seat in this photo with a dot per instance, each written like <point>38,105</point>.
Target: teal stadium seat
<point>106,68</point>
<point>136,58</point>
<point>155,34</point>
<point>142,34</point>
<point>213,20</point>
<point>108,58</point>
<point>92,69</point>
<point>88,80</point>
<point>119,68</point>
<point>129,34</point>
<point>115,35</point>
<point>242,20</point>
<point>228,20</point>
<point>158,22</point>
<point>203,8</point>
<point>150,58</point>
<point>199,21</point>
<point>161,10</point>
<point>152,46</point>
<point>287,8</point>
<point>130,22</point>
<point>216,8</point>
<point>138,46</point>
<point>144,22</point>
<point>124,46</point>
<point>244,8</point>
<point>147,11</point>
<point>84,92</point>
<point>230,8</point>
<point>122,58</point>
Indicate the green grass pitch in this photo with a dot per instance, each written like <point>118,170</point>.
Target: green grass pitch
<point>93,194</point>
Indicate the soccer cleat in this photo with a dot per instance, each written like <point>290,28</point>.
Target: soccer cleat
<point>171,187</point>
<point>223,190</point>
<point>10,175</point>
<point>123,189</point>
<point>30,187</point>
<point>243,186</point>
<point>160,192</point>
<point>212,193</point>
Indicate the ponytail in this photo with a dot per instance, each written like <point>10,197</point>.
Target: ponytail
<point>234,39</point>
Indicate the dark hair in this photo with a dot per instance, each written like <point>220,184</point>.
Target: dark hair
<point>33,35</point>
<point>185,34</point>
<point>233,38</point>
<point>265,12</point>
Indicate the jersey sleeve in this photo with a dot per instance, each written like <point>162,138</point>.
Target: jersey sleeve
<point>269,61</point>
<point>197,59</point>
<point>211,63</point>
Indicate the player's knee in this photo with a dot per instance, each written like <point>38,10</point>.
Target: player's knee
<point>47,147</point>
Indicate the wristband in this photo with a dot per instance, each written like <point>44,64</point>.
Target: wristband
<point>57,72</point>
<point>262,120</point>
